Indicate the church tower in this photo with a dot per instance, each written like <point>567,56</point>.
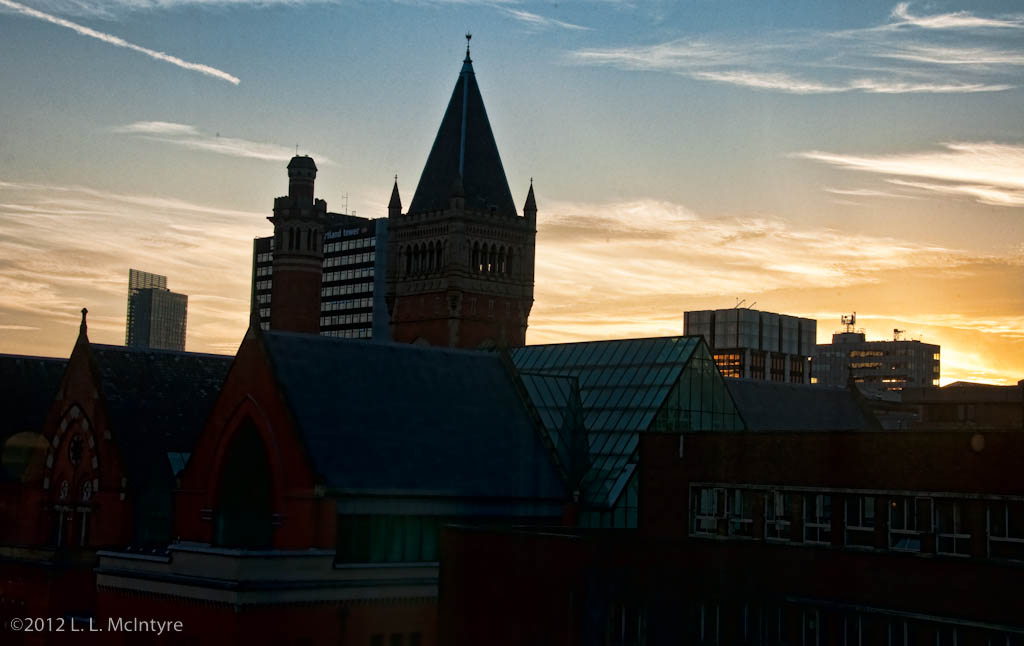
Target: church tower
<point>299,221</point>
<point>460,270</point>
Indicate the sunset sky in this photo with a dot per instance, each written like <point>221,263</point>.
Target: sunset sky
<point>817,158</point>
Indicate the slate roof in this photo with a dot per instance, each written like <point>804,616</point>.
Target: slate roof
<point>391,418</point>
<point>779,406</point>
<point>27,388</point>
<point>157,402</point>
<point>464,148</point>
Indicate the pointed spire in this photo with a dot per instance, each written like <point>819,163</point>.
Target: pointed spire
<point>464,146</point>
<point>395,199</point>
<point>395,205</point>
<point>531,201</point>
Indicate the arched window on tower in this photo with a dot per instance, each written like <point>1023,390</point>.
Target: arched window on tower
<point>474,264</point>
<point>511,262</point>
<point>492,260</point>
<point>291,238</point>
<point>502,268</point>
<point>244,508</point>
<point>316,239</point>
<point>438,256</point>
<point>430,257</point>
<point>407,252</point>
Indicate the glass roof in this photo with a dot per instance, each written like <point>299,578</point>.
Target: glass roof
<point>623,386</point>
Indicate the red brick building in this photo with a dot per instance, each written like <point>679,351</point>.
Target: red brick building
<point>768,538</point>
<point>461,259</point>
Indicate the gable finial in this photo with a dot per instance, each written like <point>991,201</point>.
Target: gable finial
<point>83,327</point>
<point>469,37</point>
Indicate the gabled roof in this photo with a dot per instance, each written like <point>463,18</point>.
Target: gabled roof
<point>779,406</point>
<point>157,402</point>
<point>624,385</point>
<point>464,148</point>
<point>27,388</point>
<point>404,419</point>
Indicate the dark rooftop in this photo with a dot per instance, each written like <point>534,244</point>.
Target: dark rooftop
<point>464,148</point>
<point>158,401</point>
<point>402,418</point>
<point>779,406</point>
<point>27,388</point>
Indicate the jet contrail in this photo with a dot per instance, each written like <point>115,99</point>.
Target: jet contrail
<point>120,42</point>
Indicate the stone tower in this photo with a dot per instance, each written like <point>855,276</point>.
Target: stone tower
<point>299,221</point>
<point>460,270</point>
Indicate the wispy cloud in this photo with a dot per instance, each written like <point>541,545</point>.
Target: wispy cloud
<point>901,16</point>
<point>65,247</point>
<point>618,270</point>
<point>188,136</point>
<point>888,58</point>
<point>120,42</point>
<point>865,192</point>
<point>536,20</point>
<point>991,173</point>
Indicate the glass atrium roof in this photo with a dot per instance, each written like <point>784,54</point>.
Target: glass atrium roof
<point>627,387</point>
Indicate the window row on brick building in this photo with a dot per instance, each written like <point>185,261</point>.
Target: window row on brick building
<point>796,622</point>
<point>947,524</point>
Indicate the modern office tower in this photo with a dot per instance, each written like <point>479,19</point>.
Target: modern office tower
<point>875,365</point>
<point>353,280</point>
<point>156,315</point>
<point>750,344</point>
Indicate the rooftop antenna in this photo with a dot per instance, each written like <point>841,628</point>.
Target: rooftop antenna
<point>849,322</point>
<point>751,306</point>
<point>897,333</point>
<point>738,303</point>
<point>344,206</point>
<point>296,150</point>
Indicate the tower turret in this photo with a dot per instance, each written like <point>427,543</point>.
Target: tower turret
<point>395,205</point>
<point>299,222</point>
<point>460,268</point>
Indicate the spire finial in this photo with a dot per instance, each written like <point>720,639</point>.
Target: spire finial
<point>83,327</point>
<point>469,37</point>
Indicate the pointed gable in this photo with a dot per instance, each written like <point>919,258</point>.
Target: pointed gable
<point>464,147</point>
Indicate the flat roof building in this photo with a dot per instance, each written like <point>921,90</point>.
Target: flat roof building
<point>156,315</point>
<point>750,344</point>
<point>352,286</point>
<point>875,365</point>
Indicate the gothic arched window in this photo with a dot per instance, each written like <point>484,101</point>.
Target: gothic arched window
<point>244,508</point>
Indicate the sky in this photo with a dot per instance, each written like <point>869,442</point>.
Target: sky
<point>807,157</point>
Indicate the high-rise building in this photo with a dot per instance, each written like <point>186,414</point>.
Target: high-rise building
<point>875,365</point>
<point>750,344</point>
<point>460,271</point>
<point>353,275</point>
<point>156,315</point>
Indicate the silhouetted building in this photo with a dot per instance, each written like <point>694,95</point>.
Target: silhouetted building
<point>156,316</point>
<point>750,344</point>
<point>963,405</point>
<point>875,365</point>
<point>119,426</point>
<point>460,269</point>
<point>810,537</point>
<point>353,279</point>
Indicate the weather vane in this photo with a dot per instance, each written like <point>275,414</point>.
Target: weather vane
<point>469,37</point>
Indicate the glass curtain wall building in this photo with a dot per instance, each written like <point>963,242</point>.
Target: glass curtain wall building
<point>156,316</point>
<point>354,278</point>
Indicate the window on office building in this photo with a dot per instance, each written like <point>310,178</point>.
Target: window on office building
<point>741,513</point>
<point>860,521</point>
<point>776,516</point>
<point>705,504</point>
<point>909,518</point>
<point>1006,530</point>
<point>951,536</point>
<point>818,518</point>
